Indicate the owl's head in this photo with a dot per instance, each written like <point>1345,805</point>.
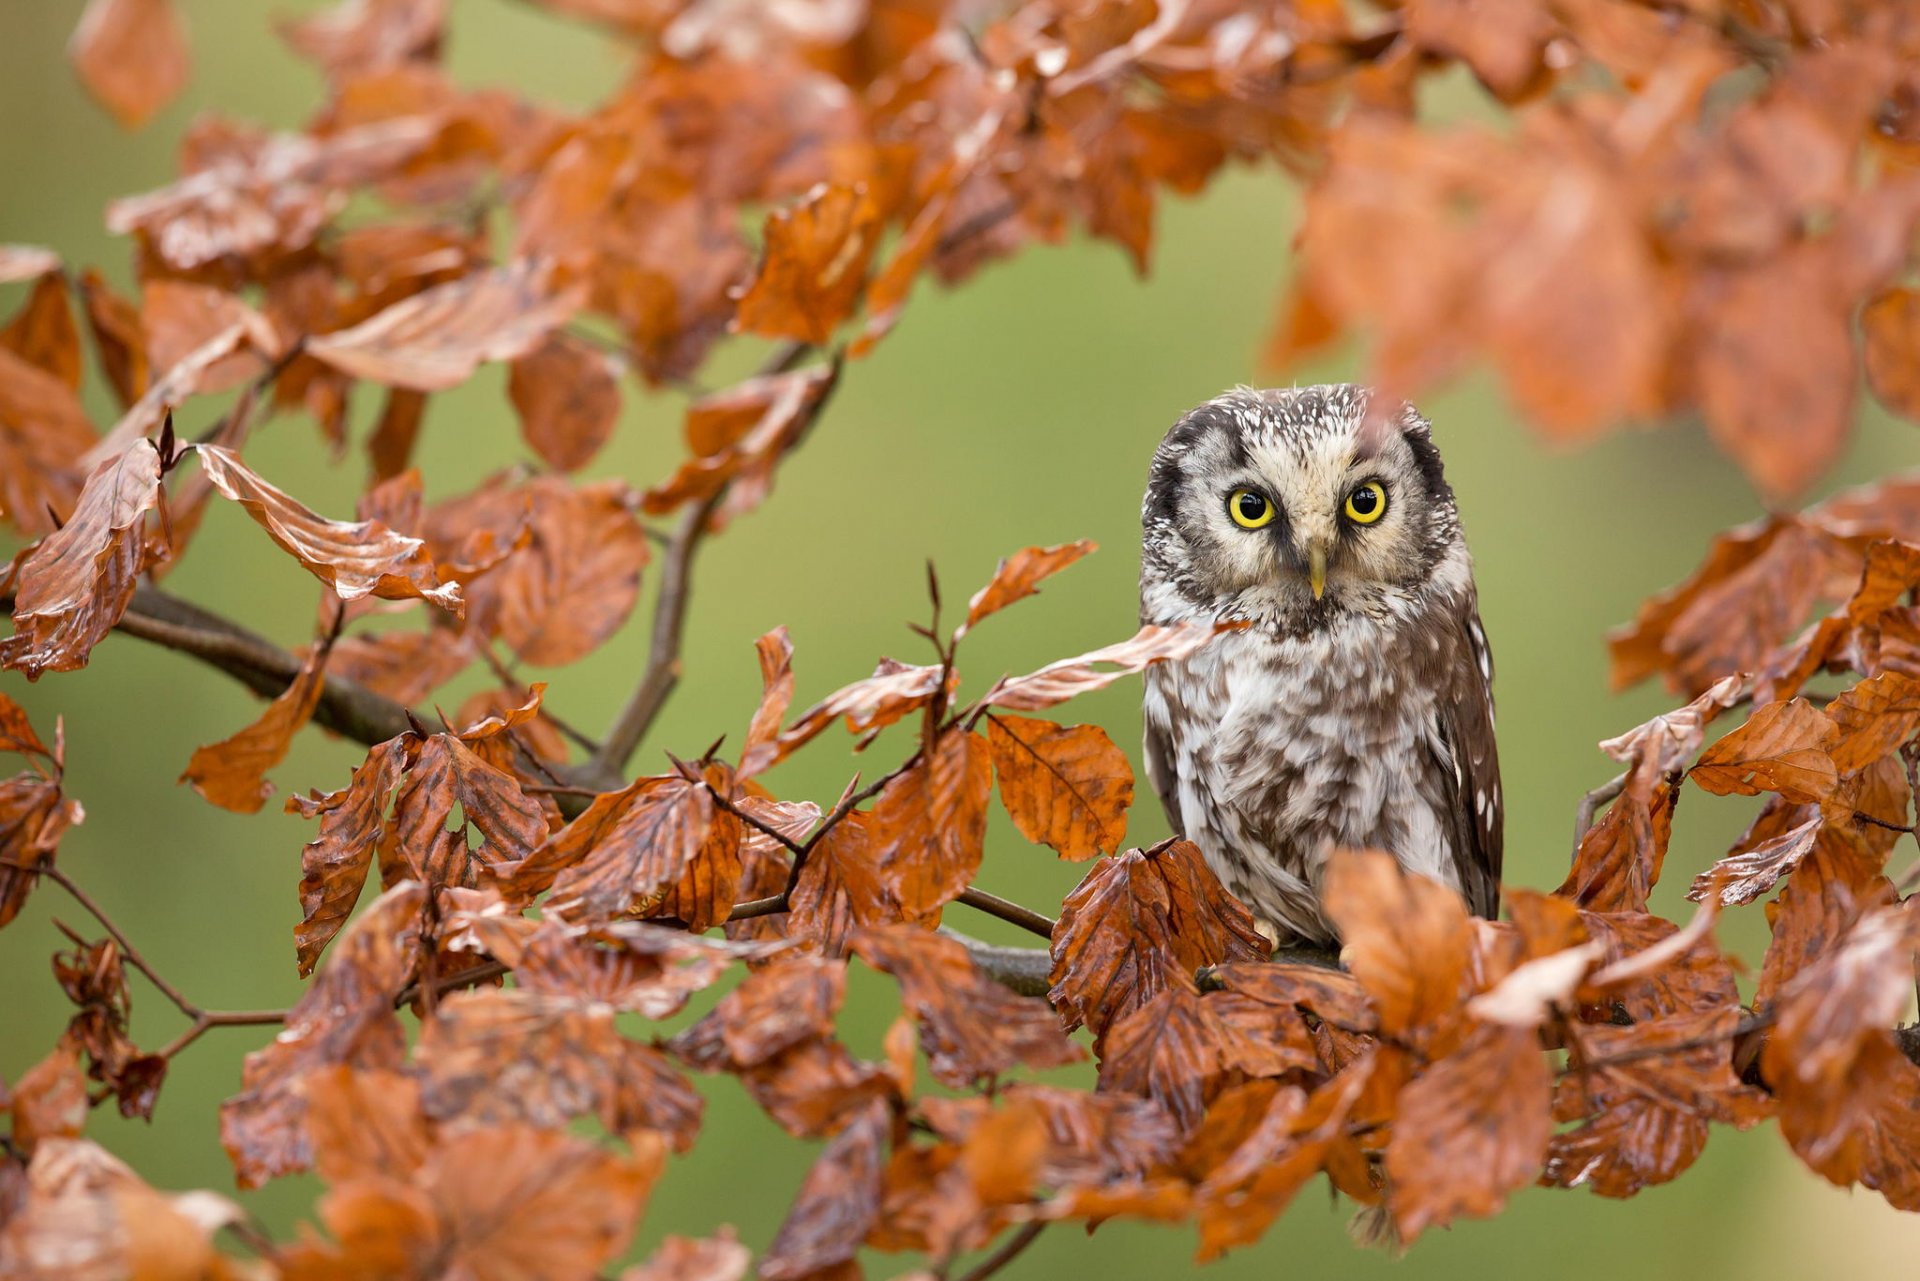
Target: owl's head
<point>1296,504</point>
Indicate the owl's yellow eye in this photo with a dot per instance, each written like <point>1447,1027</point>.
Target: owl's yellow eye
<point>1249,508</point>
<point>1367,503</point>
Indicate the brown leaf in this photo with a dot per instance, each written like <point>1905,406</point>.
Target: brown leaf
<point>346,1016</point>
<point>131,55</point>
<point>501,1203</point>
<point>893,690</point>
<point>813,266</point>
<point>1470,1130</point>
<point>1867,1132</point>
<point>779,1007</point>
<point>544,1059</point>
<point>180,381</point>
<point>970,1026</point>
<point>1176,1049</point>
<point>836,1205</point>
<point>1138,923</point>
<point>719,1257</point>
<point>1835,1008</point>
<point>1620,857</point>
<point>623,853</point>
<point>1059,681</point>
<point>1891,326</point>
<point>704,895</point>
<point>840,888</point>
<point>1875,717</point>
<point>76,583</point>
<point>445,772</point>
<point>776,685</point>
<point>233,772</point>
<point>434,340</point>
<point>33,816</point>
<point>741,435</point>
<point>179,319</point>
<point>1019,576</point>
<point>50,1099</point>
<point>118,340</point>
<point>1406,938</point>
<point>930,824</point>
<point>1752,871</point>
<point>1247,1188</point>
<point>575,582</point>
<point>17,733</point>
<point>1067,787</point>
<point>26,262</point>
<point>1644,1119</point>
<point>79,1213</point>
<point>355,558</point>
<point>568,398</point>
<point>44,434</point>
<point>1760,583</point>
<point>1783,747</point>
<point>333,866</point>
<point>364,1124</point>
<point>43,332</point>
<point>359,36</point>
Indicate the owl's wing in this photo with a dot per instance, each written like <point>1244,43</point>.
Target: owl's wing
<point>1470,764</point>
<point>1163,774</point>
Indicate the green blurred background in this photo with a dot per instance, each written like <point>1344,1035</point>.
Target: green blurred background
<point>1019,409</point>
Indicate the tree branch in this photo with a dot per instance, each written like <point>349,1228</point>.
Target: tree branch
<point>1008,1251</point>
<point>345,707</point>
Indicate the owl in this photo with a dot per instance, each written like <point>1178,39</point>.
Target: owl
<point>1355,707</point>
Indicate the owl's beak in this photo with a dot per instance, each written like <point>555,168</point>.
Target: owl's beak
<point>1317,567</point>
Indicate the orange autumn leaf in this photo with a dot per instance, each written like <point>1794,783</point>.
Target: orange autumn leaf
<point>930,823</point>
<point>233,772</point>
<point>1470,1131</point>
<point>1139,922</point>
<point>568,398</point>
<point>1068,787</point>
<point>131,55</point>
<point>813,267</point>
<point>1019,576</point>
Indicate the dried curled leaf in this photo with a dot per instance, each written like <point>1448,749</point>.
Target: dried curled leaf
<point>75,585</point>
<point>355,558</point>
<point>1019,576</point>
<point>1059,681</point>
<point>233,772</point>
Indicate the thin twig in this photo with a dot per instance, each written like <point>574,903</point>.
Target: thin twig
<point>1008,1251</point>
<point>1590,805</point>
<point>662,672</point>
<point>114,932</point>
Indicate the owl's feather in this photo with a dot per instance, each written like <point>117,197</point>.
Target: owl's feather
<point>1363,717</point>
